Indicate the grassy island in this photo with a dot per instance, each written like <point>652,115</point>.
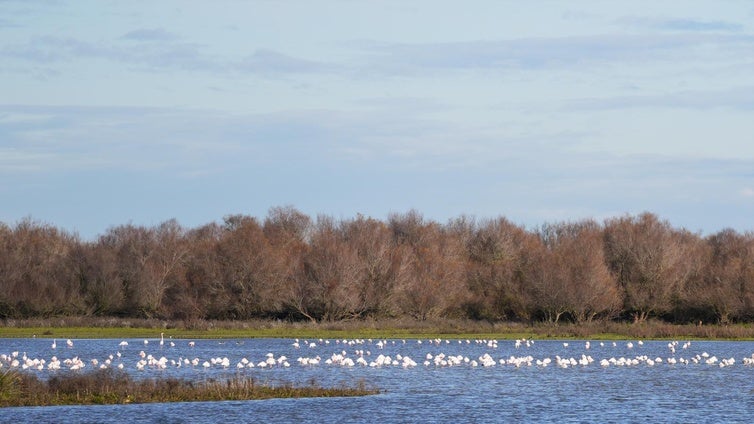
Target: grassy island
<point>116,387</point>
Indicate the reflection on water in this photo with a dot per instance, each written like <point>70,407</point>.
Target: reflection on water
<point>545,381</point>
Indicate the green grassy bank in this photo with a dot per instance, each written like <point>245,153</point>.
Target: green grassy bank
<point>63,328</point>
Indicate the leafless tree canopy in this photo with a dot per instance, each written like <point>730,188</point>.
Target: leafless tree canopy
<point>290,266</point>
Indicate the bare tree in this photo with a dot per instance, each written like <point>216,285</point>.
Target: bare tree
<point>287,225</point>
<point>434,283</point>
<point>201,292</point>
<point>332,272</point>
<point>381,265</point>
<point>494,270</point>
<point>149,261</point>
<point>728,285</point>
<point>648,259</point>
<point>289,267</point>
<point>101,287</point>
<point>548,293</point>
<point>288,231</point>
<point>38,275</point>
<point>248,267</point>
<point>7,272</point>
<point>580,282</point>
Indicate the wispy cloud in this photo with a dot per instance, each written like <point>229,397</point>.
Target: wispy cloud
<point>555,52</point>
<point>17,160</point>
<point>149,34</point>
<point>677,24</point>
<point>158,49</point>
<point>739,98</point>
<point>49,139</point>
<point>265,61</point>
<point>476,169</point>
<point>195,141</point>
<point>5,23</point>
<point>46,139</point>
<point>52,49</point>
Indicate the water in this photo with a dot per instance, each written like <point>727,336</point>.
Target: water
<point>663,392</point>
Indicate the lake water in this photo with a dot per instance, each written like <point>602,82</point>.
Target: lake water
<point>479,380</point>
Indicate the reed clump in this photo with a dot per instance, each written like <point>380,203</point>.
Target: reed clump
<point>109,386</point>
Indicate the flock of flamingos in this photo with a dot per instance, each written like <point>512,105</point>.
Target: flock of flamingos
<point>141,355</point>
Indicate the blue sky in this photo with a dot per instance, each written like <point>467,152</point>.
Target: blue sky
<point>115,112</point>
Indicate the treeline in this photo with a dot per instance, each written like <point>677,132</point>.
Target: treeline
<point>290,266</point>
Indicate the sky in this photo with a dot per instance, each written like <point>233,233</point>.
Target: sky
<point>118,112</point>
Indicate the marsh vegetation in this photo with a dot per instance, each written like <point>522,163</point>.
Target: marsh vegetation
<point>112,386</point>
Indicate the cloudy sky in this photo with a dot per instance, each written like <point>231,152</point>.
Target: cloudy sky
<point>141,111</point>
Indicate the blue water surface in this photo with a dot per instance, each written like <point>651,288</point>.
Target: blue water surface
<point>716,385</point>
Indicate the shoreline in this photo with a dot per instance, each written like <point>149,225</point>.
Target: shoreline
<point>83,327</point>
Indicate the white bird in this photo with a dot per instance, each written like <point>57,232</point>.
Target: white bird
<point>54,345</point>
<point>69,342</point>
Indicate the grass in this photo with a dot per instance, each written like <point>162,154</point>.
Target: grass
<point>116,387</point>
<point>76,327</point>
